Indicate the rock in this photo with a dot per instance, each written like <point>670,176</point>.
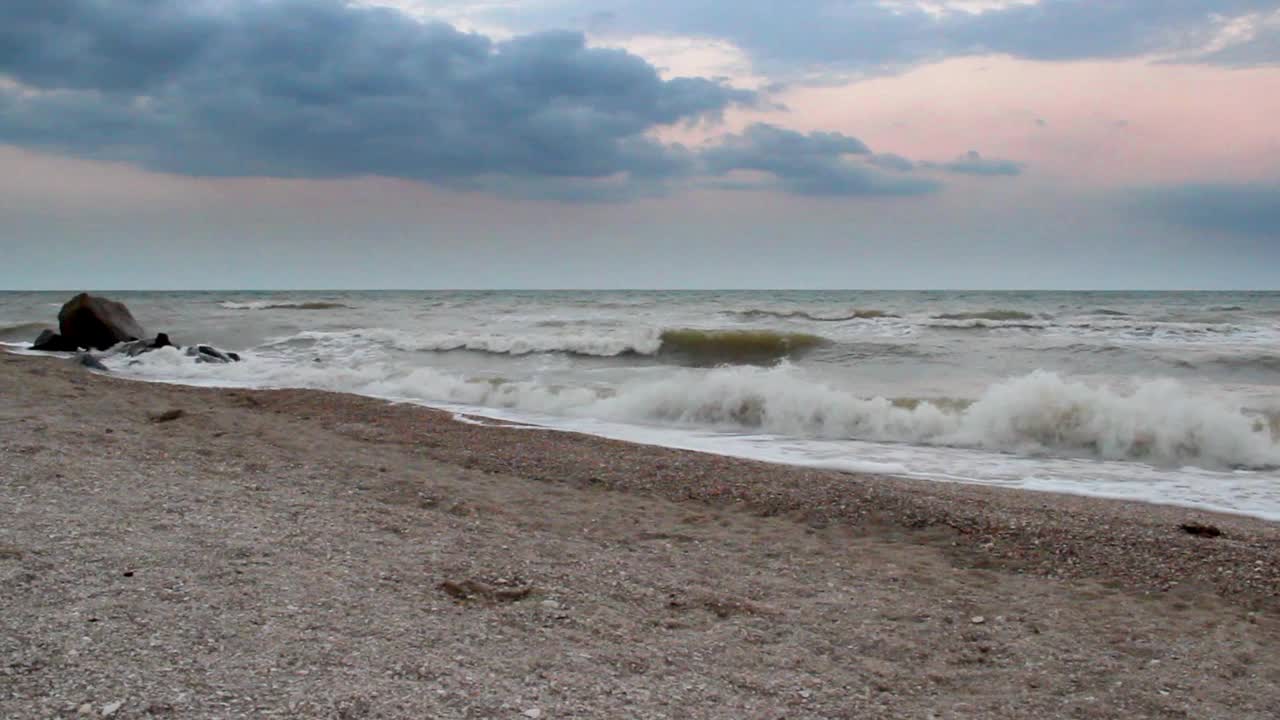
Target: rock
<point>96,322</point>
<point>977,619</point>
<point>84,709</point>
<point>210,354</point>
<point>479,590</point>
<point>167,415</point>
<point>112,708</point>
<point>138,347</point>
<point>89,361</point>
<point>1201,530</point>
<point>134,348</point>
<point>532,713</point>
<point>50,341</point>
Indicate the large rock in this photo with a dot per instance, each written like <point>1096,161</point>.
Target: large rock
<point>96,322</point>
<point>50,341</point>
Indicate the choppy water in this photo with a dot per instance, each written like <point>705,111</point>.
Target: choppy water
<point>1166,397</point>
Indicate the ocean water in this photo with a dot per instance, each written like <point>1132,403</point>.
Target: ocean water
<point>1164,397</point>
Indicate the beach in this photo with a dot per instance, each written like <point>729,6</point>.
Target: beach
<point>172,551</point>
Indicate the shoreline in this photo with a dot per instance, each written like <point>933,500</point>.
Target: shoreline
<point>498,419</point>
<point>401,538</point>
<point>976,511</point>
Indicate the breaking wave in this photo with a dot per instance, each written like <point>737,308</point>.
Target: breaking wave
<point>266,305</point>
<point>1159,422</point>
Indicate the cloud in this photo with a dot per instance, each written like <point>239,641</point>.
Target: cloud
<point>1236,209</point>
<point>972,163</point>
<point>890,161</point>
<point>872,36</point>
<point>319,88</point>
<point>1262,48</point>
<point>814,164</point>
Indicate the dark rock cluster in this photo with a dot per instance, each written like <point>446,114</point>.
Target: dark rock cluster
<point>89,322</point>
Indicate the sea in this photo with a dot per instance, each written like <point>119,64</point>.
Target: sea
<point>1163,397</point>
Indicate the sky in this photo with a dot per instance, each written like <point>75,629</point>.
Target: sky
<point>970,144</point>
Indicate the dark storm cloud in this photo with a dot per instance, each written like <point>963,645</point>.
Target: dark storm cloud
<point>814,164</point>
<point>867,35</point>
<point>316,88</point>
<point>972,163</point>
<point>1237,209</point>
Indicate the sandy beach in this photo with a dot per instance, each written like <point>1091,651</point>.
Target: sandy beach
<point>171,551</point>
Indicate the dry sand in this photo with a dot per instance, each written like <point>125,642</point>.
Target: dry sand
<point>314,555</point>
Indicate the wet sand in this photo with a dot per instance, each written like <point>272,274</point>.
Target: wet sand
<point>307,554</point>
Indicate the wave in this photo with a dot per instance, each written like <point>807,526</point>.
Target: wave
<point>1265,362</point>
<point>984,324</point>
<point>267,305</point>
<point>687,346</point>
<point>23,332</point>
<point>753,314</point>
<point>1000,315</point>
<point>1160,422</point>
<point>725,347</point>
<point>641,342</point>
<point>1225,308</point>
<point>1109,312</point>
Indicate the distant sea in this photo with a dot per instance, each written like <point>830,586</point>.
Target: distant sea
<point>1168,397</point>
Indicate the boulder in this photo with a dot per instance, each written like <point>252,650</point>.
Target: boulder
<point>50,341</point>
<point>96,322</point>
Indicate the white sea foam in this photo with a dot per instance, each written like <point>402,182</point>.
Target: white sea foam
<point>252,305</point>
<point>282,305</point>
<point>1041,414</point>
<point>641,341</point>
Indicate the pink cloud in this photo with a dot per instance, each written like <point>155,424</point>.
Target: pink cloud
<point>1095,123</point>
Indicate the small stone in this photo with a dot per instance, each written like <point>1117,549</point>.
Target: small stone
<point>167,415</point>
<point>551,604</point>
<point>112,708</point>
<point>85,709</point>
<point>532,713</point>
<point>806,694</point>
<point>977,619</point>
<point>1201,530</point>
